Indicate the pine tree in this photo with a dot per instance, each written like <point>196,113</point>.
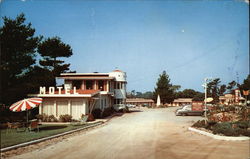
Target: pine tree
<point>51,49</point>
<point>213,90</point>
<point>164,89</point>
<point>18,48</point>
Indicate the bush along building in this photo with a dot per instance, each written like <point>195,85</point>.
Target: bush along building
<point>84,92</point>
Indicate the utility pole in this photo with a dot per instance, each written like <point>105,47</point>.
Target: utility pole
<point>205,87</point>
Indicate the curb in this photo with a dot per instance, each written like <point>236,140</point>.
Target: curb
<point>49,137</point>
<point>218,137</point>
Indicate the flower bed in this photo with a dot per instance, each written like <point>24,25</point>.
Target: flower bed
<point>239,128</point>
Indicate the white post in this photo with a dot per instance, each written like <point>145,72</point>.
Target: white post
<point>69,107</point>
<point>107,86</point>
<point>40,108</point>
<point>55,110</point>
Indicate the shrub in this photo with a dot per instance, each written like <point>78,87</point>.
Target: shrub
<point>210,125</point>
<point>39,117</point>
<point>243,124</point>
<point>43,117</point>
<point>107,112</point>
<point>97,113</point>
<point>126,110</point>
<point>52,118</point>
<point>223,128</point>
<point>199,124</point>
<point>65,118</point>
<point>245,132</point>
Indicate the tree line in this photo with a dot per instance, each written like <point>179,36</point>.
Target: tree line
<point>28,61</point>
<point>168,92</point>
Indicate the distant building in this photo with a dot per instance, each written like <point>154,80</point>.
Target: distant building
<point>83,92</point>
<point>139,101</point>
<point>181,101</point>
<point>232,98</point>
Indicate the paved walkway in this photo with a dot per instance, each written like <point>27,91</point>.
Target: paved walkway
<point>150,134</point>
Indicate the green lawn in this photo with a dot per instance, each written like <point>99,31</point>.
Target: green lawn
<point>13,137</point>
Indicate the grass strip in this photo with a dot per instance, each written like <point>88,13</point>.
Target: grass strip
<point>14,137</point>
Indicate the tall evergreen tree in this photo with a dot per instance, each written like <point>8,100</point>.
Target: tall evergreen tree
<point>51,49</point>
<point>164,89</point>
<point>213,89</point>
<point>222,89</point>
<point>18,47</point>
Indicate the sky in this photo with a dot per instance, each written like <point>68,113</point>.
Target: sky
<point>190,39</point>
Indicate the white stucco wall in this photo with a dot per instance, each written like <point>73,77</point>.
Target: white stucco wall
<point>119,76</point>
<point>61,106</point>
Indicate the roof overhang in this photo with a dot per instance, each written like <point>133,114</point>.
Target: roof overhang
<point>86,78</point>
<point>84,74</point>
<point>86,94</point>
<point>61,95</point>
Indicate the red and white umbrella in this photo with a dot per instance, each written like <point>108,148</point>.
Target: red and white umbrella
<point>26,104</point>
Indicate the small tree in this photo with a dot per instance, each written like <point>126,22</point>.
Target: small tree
<point>246,84</point>
<point>163,88</point>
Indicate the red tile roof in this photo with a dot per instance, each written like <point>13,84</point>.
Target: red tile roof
<point>179,100</point>
<point>117,71</point>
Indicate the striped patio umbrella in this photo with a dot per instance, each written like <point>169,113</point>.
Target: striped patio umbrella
<point>26,104</point>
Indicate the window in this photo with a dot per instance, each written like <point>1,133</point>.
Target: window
<point>118,85</point>
<point>77,84</point>
<point>89,84</point>
<point>101,85</point>
<point>118,101</point>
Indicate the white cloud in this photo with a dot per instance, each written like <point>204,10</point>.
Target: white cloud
<point>247,1</point>
<point>23,0</point>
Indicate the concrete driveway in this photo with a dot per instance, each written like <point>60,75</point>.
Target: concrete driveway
<point>149,134</point>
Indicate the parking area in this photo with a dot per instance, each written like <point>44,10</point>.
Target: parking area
<point>143,134</point>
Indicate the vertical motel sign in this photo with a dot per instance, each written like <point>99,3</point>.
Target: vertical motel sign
<point>246,93</point>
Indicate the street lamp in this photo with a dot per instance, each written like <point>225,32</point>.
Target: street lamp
<point>205,88</point>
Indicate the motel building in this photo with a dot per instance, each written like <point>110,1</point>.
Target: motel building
<point>84,92</point>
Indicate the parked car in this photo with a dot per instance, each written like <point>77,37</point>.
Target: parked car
<point>145,105</point>
<point>187,110</point>
<point>130,105</point>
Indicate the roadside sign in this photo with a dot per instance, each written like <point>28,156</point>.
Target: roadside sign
<point>246,93</point>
